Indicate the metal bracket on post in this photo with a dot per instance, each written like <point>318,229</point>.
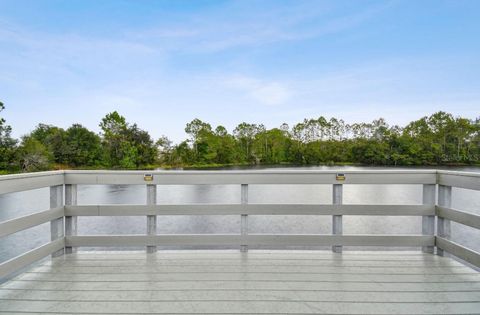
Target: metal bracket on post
<point>443,225</point>
<point>428,221</point>
<point>151,219</point>
<point>56,226</point>
<point>244,217</point>
<point>70,222</point>
<point>337,227</point>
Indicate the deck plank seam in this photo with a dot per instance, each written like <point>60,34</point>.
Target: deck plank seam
<point>244,280</point>
<point>234,289</point>
<point>260,301</point>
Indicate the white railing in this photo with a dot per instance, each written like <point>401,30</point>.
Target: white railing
<point>63,215</point>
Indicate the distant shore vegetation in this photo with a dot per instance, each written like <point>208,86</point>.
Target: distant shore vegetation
<point>438,139</point>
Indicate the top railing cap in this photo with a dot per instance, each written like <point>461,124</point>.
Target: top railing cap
<point>270,171</point>
<point>30,175</point>
<point>275,176</point>
<point>28,181</point>
<point>458,173</point>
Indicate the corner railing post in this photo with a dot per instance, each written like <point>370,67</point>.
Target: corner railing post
<point>151,219</point>
<point>428,221</point>
<point>244,217</point>
<point>444,200</point>
<point>56,226</point>
<point>70,221</point>
<point>337,228</point>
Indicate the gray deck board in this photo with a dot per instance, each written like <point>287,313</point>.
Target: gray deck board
<point>257,282</point>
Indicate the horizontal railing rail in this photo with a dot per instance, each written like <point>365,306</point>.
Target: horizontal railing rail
<point>465,218</point>
<point>250,240</point>
<point>11,266</point>
<point>250,209</point>
<point>30,220</point>
<point>465,180</point>
<point>64,210</point>
<point>458,250</point>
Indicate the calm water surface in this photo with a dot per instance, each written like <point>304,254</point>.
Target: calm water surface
<point>18,204</point>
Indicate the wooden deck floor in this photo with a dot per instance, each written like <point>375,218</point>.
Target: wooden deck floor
<point>258,282</point>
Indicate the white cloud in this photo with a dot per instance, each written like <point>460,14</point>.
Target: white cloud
<point>264,92</point>
<point>271,93</point>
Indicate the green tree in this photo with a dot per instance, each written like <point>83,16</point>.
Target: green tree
<point>194,129</point>
<point>126,146</point>
<point>7,144</point>
<point>217,147</point>
<point>165,150</point>
<point>32,155</point>
<point>82,147</point>
<point>146,151</point>
<point>113,128</point>
<point>183,154</point>
<point>245,134</point>
<point>272,146</point>
<point>53,138</point>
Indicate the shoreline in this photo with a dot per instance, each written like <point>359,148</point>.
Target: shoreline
<point>253,166</point>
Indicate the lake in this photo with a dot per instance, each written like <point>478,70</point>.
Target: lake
<point>22,203</point>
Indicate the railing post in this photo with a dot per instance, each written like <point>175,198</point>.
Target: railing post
<point>428,221</point>
<point>337,228</point>
<point>151,219</point>
<point>444,200</point>
<point>70,222</point>
<point>56,226</point>
<point>244,217</point>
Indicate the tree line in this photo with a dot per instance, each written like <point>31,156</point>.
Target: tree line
<point>437,139</point>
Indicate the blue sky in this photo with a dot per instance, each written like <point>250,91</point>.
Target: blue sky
<point>163,63</point>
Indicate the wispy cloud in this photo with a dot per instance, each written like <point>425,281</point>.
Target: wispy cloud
<point>67,54</point>
<point>248,26</point>
<point>261,91</point>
